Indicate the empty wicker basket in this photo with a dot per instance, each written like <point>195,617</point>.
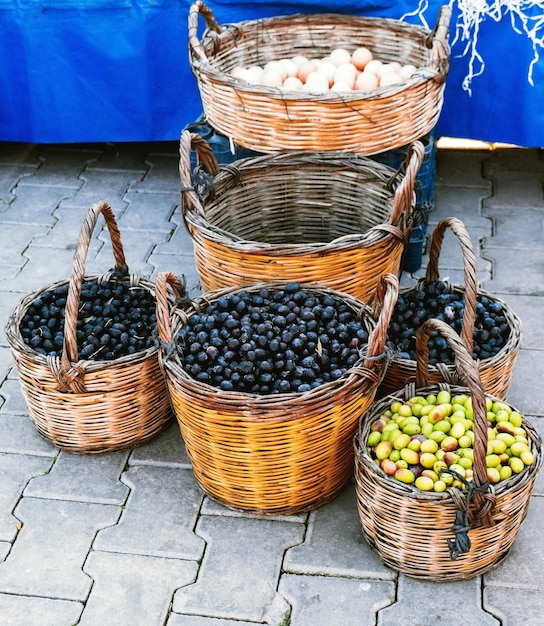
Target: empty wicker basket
<point>329,218</point>
<point>414,531</point>
<point>86,406</point>
<point>267,119</point>
<point>274,453</point>
<point>496,371</point>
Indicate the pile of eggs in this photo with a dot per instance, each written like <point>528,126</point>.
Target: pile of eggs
<point>339,71</point>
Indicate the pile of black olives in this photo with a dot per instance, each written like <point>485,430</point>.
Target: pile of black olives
<point>114,320</point>
<point>437,300</point>
<point>270,341</point>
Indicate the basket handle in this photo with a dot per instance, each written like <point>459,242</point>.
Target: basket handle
<point>383,305</point>
<point>404,194</point>
<point>188,141</point>
<point>195,45</point>
<point>437,41</point>
<point>468,371</point>
<point>162,303</point>
<point>70,376</point>
<point>470,273</point>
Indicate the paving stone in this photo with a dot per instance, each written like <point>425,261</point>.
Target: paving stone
<point>15,472</point>
<point>193,620</point>
<point>147,211</point>
<point>18,610</point>
<point>514,606</point>
<point>523,568</point>
<point>326,600</point>
<point>210,507</point>
<point>85,478</point>
<point>18,435</point>
<point>35,205</point>
<point>162,177</point>
<point>9,300</point>
<point>167,449</point>
<point>334,544</point>
<point>422,603</point>
<point>180,265</point>
<point>515,271</point>
<point>463,168</point>
<point>514,160</point>
<point>6,361</point>
<point>60,167</point>
<point>529,309</point>
<point>65,235</point>
<point>14,401</point>
<point>14,240</point>
<point>165,530</point>
<point>121,156</point>
<point>5,547</point>
<point>527,376</point>
<point>48,555</point>
<point>20,154</point>
<point>464,203</point>
<point>141,601</point>
<point>512,189</point>
<point>107,185</point>
<point>524,232</point>
<point>42,269</point>
<point>239,573</point>
<point>10,176</point>
<point>538,423</point>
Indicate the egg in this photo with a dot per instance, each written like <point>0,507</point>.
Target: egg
<point>338,85</point>
<point>271,78</point>
<point>292,83</point>
<point>388,68</point>
<point>276,66</point>
<point>406,71</point>
<point>391,78</point>
<point>339,56</point>
<point>306,68</point>
<point>298,59</point>
<point>240,73</point>
<point>316,83</point>
<point>346,73</point>
<point>360,57</point>
<point>255,74</point>
<point>367,81</point>
<point>289,66</point>
<point>328,69</point>
<point>373,66</point>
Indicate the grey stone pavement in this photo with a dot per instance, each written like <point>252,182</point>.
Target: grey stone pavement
<point>129,538</point>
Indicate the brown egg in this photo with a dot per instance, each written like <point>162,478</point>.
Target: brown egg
<point>360,57</point>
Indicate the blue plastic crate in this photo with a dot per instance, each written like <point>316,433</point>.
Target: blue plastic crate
<point>224,150</point>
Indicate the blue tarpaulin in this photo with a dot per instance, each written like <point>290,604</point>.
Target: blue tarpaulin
<point>118,70</point>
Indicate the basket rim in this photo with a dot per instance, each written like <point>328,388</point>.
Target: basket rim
<point>13,335</point>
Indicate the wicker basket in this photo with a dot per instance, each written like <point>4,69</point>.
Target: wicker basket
<point>330,218</point>
<point>90,406</point>
<point>268,119</point>
<point>274,453</point>
<point>411,529</point>
<point>495,372</point>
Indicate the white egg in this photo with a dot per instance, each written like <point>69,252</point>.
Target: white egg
<point>406,71</point>
<point>367,81</point>
<point>298,59</point>
<point>290,67</point>
<point>306,68</point>
<point>292,83</point>
<point>271,78</point>
<point>316,83</point>
<point>338,85</point>
<point>241,73</point>
<point>392,78</point>
<point>276,66</point>
<point>388,68</point>
<point>255,74</point>
<point>328,69</point>
<point>373,66</point>
<point>339,56</point>
<point>344,75</point>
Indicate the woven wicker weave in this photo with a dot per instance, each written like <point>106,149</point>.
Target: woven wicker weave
<point>495,372</point>
<point>266,119</point>
<point>90,406</point>
<point>274,454</point>
<point>330,218</point>
<point>410,528</point>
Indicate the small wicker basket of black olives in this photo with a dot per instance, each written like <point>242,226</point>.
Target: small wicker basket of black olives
<point>86,354</point>
<point>268,383</point>
<point>489,328</point>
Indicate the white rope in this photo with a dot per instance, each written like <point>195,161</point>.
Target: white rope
<point>526,17</point>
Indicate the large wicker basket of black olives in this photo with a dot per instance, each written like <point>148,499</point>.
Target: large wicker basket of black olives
<point>331,218</point>
<point>489,328</point>
<point>86,354</point>
<point>268,383</point>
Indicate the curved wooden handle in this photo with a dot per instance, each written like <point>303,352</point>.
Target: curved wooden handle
<point>438,42</point>
<point>69,350</point>
<point>404,194</point>
<point>195,45</point>
<point>466,367</point>
<point>162,305</point>
<point>383,305</point>
<point>470,272</point>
